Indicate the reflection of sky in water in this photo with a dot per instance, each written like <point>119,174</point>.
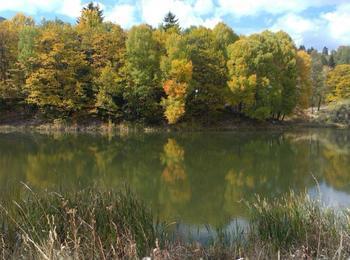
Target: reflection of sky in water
<point>204,233</point>
<point>330,196</point>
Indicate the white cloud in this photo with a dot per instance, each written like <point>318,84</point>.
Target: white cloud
<point>204,7</point>
<point>71,8</point>
<point>124,15</point>
<point>153,11</point>
<point>210,23</point>
<point>29,6</point>
<point>188,12</point>
<point>240,8</point>
<point>297,26</point>
<point>330,28</point>
<point>339,24</point>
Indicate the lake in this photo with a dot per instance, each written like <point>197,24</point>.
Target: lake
<point>197,179</point>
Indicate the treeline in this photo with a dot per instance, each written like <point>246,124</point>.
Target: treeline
<point>148,74</point>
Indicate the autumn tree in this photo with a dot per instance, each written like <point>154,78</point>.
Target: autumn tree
<point>60,75</point>
<point>91,16</point>
<point>11,70</point>
<point>338,82</point>
<point>8,55</point>
<point>263,74</point>
<point>304,84</point>
<point>143,91</point>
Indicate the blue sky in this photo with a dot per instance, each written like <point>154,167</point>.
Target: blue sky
<point>314,23</point>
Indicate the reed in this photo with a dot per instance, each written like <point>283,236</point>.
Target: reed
<point>91,224</point>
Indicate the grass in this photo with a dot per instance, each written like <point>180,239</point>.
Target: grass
<point>111,225</point>
<point>86,224</point>
<point>297,224</point>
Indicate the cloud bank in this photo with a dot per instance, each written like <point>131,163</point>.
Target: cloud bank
<point>309,22</point>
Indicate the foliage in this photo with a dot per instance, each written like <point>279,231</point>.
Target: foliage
<point>60,74</point>
<point>318,79</point>
<point>155,74</point>
<point>304,87</point>
<point>143,92</point>
<point>342,55</point>
<point>170,21</point>
<point>107,90</point>
<point>263,75</point>
<point>208,87</point>
<point>91,16</point>
<point>338,81</point>
<point>177,72</point>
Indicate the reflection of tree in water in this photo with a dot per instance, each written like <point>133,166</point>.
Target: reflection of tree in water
<point>175,188</point>
<point>336,152</point>
<point>198,176</point>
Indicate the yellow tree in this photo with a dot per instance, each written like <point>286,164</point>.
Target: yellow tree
<point>177,74</point>
<point>59,79</point>
<point>11,71</point>
<point>338,82</point>
<point>304,85</point>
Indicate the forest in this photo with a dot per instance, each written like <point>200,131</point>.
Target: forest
<point>96,69</point>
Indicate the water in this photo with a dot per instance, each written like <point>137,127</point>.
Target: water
<point>196,178</point>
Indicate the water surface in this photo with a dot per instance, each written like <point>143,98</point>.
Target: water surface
<point>194,178</point>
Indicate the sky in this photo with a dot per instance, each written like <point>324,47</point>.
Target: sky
<point>315,23</point>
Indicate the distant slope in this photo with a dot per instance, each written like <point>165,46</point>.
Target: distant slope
<point>2,19</point>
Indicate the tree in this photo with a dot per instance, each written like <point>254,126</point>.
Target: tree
<point>60,75</point>
<point>263,74</point>
<point>342,55</point>
<point>170,21</point>
<point>91,16</point>
<point>206,95</point>
<point>224,36</point>
<point>176,89</point>
<point>304,88</point>
<point>8,56</point>
<point>11,70</point>
<point>143,91</point>
<point>325,51</point>
<point>107,89</point>
<point>318,77</point>
<point>338,82</point>
<point>331,61</point>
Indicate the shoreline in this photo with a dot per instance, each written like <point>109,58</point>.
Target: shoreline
<point>132,127</point>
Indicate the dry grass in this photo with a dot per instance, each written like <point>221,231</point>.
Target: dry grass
<point>112,225</point>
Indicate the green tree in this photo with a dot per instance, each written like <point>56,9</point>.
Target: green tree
<point>143,91</point>
<point>318,78</point>
<point>224,36</point>
<point>338,82</point>
<point>342,55</point>
<point>170,21</point>
<point>331,61</point>
<point>206,95</point>
<point>108,89</point>
<point>263,74</point>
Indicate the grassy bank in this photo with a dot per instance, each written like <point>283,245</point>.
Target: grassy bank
<point>109,225</point>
